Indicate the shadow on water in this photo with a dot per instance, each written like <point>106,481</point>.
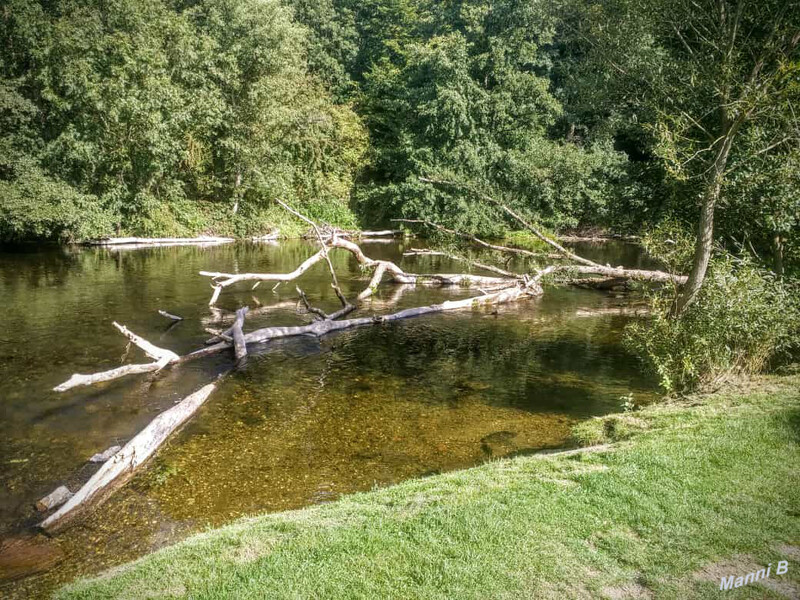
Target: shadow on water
<point>304,420</point>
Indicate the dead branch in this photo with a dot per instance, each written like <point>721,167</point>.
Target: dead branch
<point>474,263</point>
<point>223,280</point>
<point>167,315</point>
<point>472,238</point>
<point>161,356</point>
<point>534,230</point>
<point>145,242</point>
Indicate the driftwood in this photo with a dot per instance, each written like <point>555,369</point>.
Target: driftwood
<point>269,237</point>
<point>55,498</point>
<point>508,287</point>
<point>161,357</point>
<point>517,291</point>
<point>167,315</point>
<point>137,241</point>
<point>397,275</point>
<point>121,467</point>
<point>585,265</point>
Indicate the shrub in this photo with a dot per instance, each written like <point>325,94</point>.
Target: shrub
<point>743,317</point>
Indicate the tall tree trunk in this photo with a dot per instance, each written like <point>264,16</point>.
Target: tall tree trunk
<point>705,226</point>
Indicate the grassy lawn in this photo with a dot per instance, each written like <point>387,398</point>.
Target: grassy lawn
<point>682,494</point>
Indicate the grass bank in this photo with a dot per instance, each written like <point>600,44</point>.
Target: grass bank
<point>680,495</point>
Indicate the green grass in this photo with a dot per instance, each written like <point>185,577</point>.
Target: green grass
<point>680,487</point>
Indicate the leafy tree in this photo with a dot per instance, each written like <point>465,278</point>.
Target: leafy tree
<point>152,112</point>
<point>473,102</point>
<point>699,73</point>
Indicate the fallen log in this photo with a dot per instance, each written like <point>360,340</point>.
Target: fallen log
<point>79,379</point>
<point>622,273</point>
<point>223,280</point>
<point>55,498</point>
<point>121,467</point>
<point>138,241</point>
<point>320,328</point>
<point>534,230</point>
<point>269,237</point>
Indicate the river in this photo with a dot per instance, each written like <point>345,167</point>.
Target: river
<point>305,420</point>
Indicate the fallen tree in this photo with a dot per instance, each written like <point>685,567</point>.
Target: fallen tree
<point>495,290</point>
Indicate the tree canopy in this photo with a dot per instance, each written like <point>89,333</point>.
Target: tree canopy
<point>156,116</point>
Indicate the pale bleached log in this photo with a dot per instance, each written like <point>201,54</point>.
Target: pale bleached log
<point>153,351</point>
<point>161,356</point>
<point>167,315</point>
<point>374,282</point>
<point>138,241</point>
<point>121,467</point>
<point>519,290</point>
<point>269,237</point>
<point>222,280</point>
<point>55,498</point>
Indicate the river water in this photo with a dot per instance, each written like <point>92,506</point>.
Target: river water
<point>305,420</point>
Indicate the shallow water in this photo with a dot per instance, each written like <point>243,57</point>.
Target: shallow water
<point>305,420</point>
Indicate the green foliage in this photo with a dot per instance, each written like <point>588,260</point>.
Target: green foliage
<point>700,95</point>
<point>469,100</point>
<point>37,207</point>
<point>742,318</point>
<point>141,109</point>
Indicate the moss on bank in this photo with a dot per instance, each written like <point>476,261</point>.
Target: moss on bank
<point>694,489</point>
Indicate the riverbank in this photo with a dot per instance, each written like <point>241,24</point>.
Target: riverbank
<point>677,496</point>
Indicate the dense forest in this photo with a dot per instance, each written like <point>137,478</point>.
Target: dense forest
<point>166,117</point>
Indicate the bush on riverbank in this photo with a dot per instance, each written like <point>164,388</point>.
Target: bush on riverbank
<point>742,319</point>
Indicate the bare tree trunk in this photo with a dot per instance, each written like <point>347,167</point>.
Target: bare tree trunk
<point>705,226</point>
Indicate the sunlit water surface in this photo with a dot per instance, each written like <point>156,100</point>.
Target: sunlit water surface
<point>305,420</point>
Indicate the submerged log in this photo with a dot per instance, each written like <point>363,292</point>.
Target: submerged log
<point>25,556</point>
<point>55,498</point>
<point>167,315</point>
<point>121,467</point>
<point>320,328</point>
<point>102,457</point>
<point>239,345</point>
